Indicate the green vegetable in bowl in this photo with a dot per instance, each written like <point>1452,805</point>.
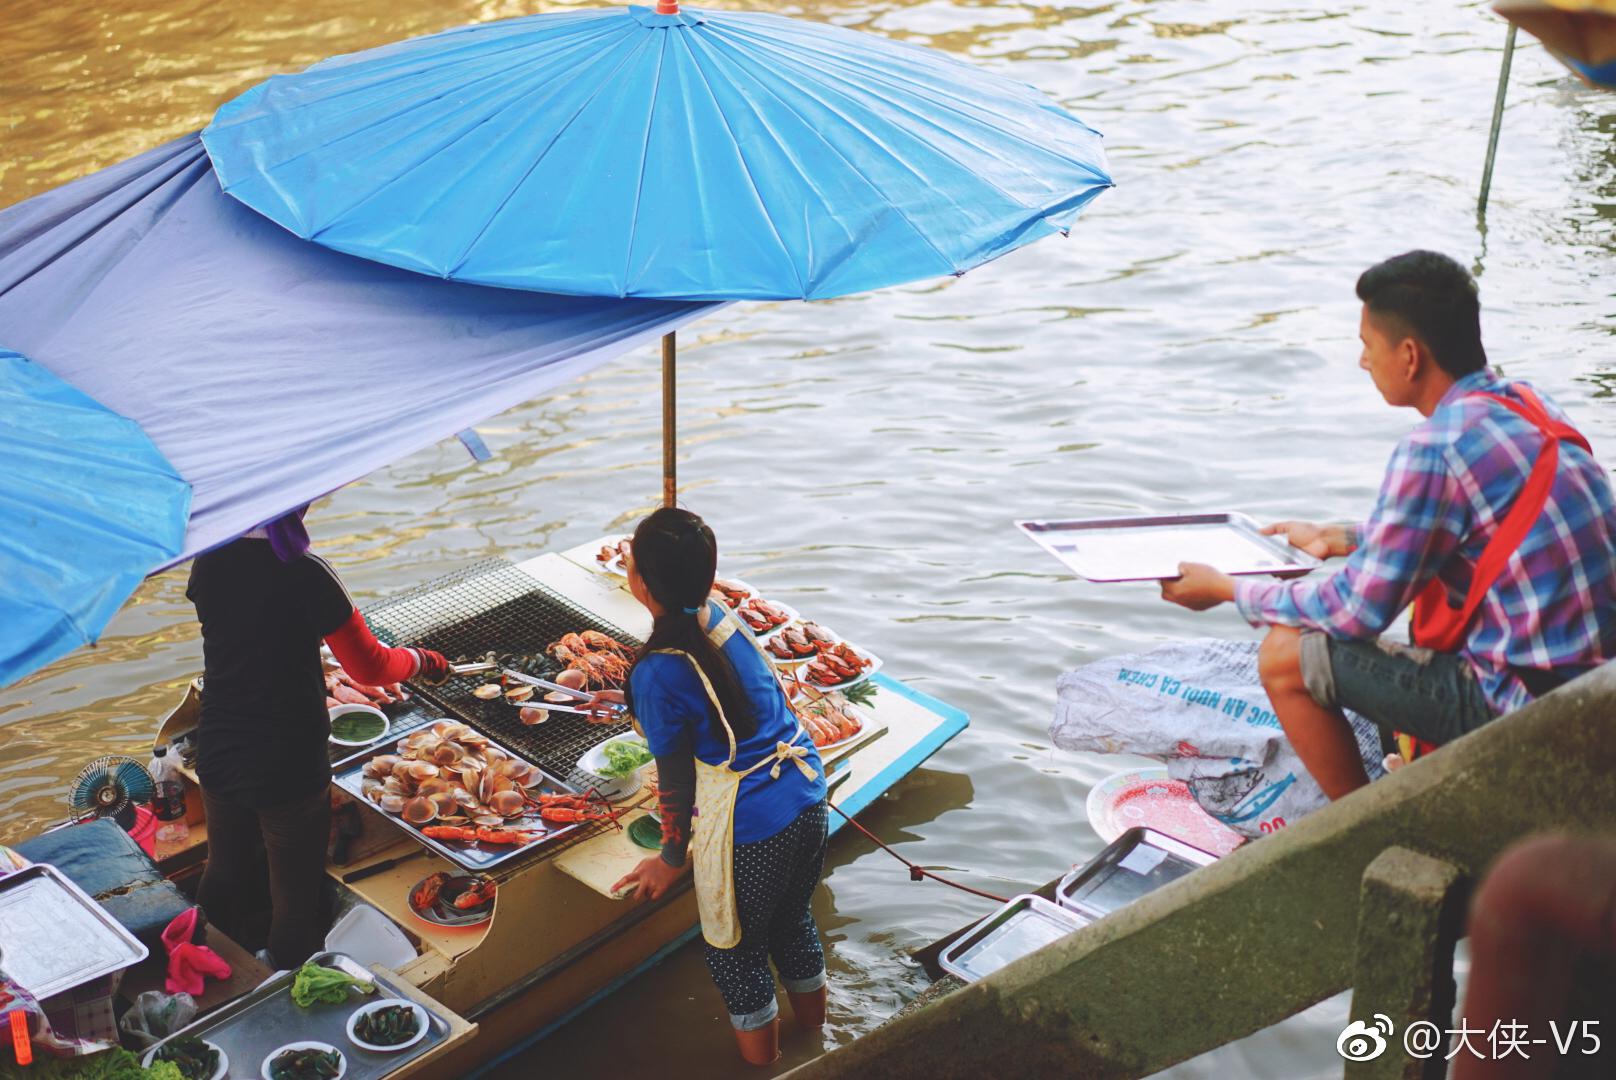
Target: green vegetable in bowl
<point>194,1058</point>
<point>306,1064</point>
<point>387,1026</point>
<point>356,727</point>
<point>624,756</point>
<point>315,983</point>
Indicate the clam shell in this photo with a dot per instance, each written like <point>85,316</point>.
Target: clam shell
<point>380,765</point>
<point>421,770</point>
<point>487,691</point>
<point>519,693</point>
<point>508,803</point>
<point>419,811</point>
<point>531,716</point>
<point>489,820</point>
<point>447,753</point>
<point>393,804</point>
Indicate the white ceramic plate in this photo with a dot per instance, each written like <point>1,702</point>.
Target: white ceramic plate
<point>219,1072</point>
<point>614,565</point>
<point>875,665</point>
<point>377,1048</point>
<point>864,725</point>
<point>792,616</point>
<point>594,760</point>
<point>751,591</point>
<point>369,710</point>
<point>306,1044</point>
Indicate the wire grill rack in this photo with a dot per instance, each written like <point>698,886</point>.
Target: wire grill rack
<point>491,606</point>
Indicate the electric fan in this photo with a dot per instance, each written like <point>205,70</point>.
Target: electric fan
<point>108,787</point>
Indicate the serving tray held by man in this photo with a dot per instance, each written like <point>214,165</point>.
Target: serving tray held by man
<point>1493,520</point>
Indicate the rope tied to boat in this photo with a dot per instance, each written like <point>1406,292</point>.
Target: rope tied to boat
<point>916,873</point>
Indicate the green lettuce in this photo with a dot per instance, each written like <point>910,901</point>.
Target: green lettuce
<point>624,757</point>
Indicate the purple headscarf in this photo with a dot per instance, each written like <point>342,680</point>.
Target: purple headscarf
<point>288,539</point>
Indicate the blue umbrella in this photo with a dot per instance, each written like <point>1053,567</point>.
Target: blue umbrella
<point>713,155</point>
<point>685,155</point>
<point>90,506</point>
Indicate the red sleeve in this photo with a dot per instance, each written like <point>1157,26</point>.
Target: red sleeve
<point>367,660</point>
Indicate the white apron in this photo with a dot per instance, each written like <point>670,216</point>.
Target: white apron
<point>712,834</point>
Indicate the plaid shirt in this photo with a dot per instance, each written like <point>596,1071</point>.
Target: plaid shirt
<point>1448,487</point>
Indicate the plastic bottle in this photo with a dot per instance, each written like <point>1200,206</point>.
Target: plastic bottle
<point>169,801</point>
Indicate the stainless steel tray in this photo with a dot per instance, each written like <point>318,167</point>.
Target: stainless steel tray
<point>1150,548</point>
<point>1025,924</point>
<point>54,937</point>
<point>1139,861</point>
<point>472,856</point>
<point>252,1027</point>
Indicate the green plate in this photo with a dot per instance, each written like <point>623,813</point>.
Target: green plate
<point>646,833</point>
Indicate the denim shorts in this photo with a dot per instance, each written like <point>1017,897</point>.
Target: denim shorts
<point>1431,695</point>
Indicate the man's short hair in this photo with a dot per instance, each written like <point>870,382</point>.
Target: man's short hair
<point>1428,296</point>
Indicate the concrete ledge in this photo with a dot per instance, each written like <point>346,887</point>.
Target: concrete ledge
<point>1267,931</point>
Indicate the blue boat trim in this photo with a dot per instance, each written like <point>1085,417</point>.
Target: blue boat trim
<point>954,721</point>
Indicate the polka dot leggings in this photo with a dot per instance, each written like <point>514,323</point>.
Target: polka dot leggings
<point>774,880</point>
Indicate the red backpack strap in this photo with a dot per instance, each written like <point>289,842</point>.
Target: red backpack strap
<point>1437,625</point>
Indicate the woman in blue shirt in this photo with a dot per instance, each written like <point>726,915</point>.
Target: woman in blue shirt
<point>728,746</point>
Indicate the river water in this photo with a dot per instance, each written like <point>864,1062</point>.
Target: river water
<point>1191,346</point>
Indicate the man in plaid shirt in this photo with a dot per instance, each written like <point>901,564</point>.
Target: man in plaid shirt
<point>1547,616</point>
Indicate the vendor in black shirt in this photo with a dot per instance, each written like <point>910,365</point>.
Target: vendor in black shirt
<point>265,604</point>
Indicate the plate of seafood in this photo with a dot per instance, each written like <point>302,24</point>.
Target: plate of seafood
<point>732,592</point>
<point>609,559</point>
<point>799,643</point>
<point>765,618</point>
<point>457,900</point>
<point>830,721</point>
<point>839,666</point>
<point>466,797</point>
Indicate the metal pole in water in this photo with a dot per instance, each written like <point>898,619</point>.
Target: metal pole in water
<point>1498,120</point>
<point>670,487</point>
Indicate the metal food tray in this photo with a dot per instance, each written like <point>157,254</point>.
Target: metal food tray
<point>252,1027</point>
<point>1150,548</point>
<point>469,855</point>
<point>54,937</point>
<point>1139,861</point>
<point>1025,924</point>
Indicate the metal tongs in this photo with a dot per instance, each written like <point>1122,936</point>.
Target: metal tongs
<point>475,667</point>
<point>544,684</point>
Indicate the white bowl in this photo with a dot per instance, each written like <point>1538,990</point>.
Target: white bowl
<point>420,1026</point>
<point>219,1072</point>
<point>370,710</point>
<point>305,1044</point>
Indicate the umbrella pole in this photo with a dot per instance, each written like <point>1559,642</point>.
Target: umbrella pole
<point>1498,120</point>
<point>670,487</point>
